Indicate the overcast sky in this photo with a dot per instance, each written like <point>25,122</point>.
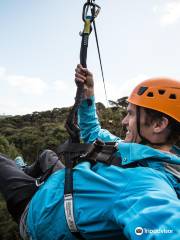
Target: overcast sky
<point>40,42</point>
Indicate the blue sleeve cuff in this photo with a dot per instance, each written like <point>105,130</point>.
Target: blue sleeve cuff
<point>89,102</point>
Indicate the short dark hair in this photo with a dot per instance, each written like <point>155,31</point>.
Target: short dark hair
<point>173,125</point>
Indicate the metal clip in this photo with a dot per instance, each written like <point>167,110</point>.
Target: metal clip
<point>38,182</point>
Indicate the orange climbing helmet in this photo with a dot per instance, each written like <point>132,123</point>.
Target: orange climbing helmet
<point>161,94</point>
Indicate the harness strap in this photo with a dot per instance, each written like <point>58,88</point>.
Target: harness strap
<point>68,195</point>
<point>99,151</point>
<point>73,147</point>
<point>73,154</point>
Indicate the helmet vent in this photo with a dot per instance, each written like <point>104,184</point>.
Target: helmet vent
<point>150,94</point>
<point>161,91</point>
<point>142,90</point>
<point>172,96</point>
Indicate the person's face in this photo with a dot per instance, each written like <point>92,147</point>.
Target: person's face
<point>130,122</point>
<point>153,132</point>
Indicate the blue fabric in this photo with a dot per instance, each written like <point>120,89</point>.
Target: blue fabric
<point>110,201</point>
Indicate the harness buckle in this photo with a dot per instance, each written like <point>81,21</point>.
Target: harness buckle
<point>38,182</point>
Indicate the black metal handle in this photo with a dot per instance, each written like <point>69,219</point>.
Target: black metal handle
<point>83,51</point>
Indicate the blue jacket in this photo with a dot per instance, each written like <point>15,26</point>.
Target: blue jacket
<point>111,201</point>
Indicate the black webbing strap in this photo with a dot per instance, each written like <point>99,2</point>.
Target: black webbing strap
<point>99,151</point>
<point>75,153</point>
<point>70,160</point>
<point>68,197</point>
<point>73,147</point>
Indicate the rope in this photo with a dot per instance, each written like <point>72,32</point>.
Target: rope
<point>100,61</point>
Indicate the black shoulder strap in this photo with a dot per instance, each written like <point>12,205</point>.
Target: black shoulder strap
<point>99,151</point>
<point>75,153</point>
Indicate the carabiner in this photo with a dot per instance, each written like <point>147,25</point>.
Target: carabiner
<point>95,9</point>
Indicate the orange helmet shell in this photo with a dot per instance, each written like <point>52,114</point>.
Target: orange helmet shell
<point>161,94</point>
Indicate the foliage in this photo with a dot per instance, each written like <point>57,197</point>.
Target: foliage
<point>7,148</point>
<point>8,228</point>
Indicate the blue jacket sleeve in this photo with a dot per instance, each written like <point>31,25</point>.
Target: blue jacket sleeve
<point>89,124</point>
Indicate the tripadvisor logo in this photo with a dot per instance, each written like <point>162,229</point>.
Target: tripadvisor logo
<point>139,231</point>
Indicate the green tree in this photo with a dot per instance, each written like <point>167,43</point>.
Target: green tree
<point>8,228</point>
<point>7,148</point>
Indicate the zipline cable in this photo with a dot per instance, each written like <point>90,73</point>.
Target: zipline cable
<point>100,61</point>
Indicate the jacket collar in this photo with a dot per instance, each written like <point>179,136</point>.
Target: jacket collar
<point>133,152</point>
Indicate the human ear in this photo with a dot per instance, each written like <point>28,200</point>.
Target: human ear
<point>160,125</point>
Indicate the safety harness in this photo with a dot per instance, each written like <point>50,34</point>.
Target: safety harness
<point>75,153</point>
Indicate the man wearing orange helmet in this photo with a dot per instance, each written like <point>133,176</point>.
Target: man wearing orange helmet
<point>153,113</point>
<point>152,121</point>
<point>135,197</point>
<point>157,103</point>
